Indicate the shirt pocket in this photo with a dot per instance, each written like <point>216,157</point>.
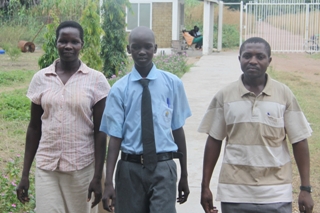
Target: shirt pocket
<point>273,130</point>
<point>165,117</point>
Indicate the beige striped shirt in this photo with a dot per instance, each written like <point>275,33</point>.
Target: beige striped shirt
<point>256,165</point>
<point>67,140</point>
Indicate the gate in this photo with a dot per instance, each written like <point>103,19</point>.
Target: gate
<point>288,25</point>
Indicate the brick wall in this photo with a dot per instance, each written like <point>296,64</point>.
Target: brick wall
<point>162,23</point>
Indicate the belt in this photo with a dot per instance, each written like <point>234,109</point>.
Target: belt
<point>160,157</point>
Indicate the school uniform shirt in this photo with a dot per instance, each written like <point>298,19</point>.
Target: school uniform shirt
<point>256,166</point>
<point>67,136</point>
<point>122,114</point>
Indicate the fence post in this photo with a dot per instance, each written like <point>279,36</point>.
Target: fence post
<point>219,46</point>
<point>241,22</point>
<point>307,23</point>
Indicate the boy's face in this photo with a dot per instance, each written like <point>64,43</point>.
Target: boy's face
<point>254,60</point>
<point>142,47</point>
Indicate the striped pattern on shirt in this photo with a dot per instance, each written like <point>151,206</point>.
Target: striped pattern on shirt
<point>67,140</point>
<point>256,166</point>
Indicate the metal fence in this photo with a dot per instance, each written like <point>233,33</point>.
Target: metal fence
<point>288,25</point>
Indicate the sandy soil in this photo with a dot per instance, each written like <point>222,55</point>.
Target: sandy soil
<point>302,64</point>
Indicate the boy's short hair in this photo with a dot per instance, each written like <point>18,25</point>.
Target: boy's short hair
<point>256,40</point>
<point>72,24</point>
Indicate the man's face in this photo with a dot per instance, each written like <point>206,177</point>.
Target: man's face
<point>142,48</point>
<point>254,60</point>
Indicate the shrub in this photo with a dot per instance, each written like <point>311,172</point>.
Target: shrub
<point>12,51</point>
<point>230,36</point>
<point>174,63</point>
<point>8,182</point>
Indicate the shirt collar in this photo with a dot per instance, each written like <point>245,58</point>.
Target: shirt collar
<point>151,76</point>
<point>267,89</point>
<point>51,70</point>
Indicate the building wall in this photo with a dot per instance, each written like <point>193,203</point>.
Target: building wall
<point>162,23</point>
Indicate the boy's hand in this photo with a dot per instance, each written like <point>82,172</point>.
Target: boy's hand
<point>183,187</point>
<point>109,198</point>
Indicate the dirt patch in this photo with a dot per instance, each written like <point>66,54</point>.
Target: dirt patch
<point>302,64</point>
<point>26,61</point>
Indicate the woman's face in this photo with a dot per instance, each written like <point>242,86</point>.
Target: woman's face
<point>69,44</point>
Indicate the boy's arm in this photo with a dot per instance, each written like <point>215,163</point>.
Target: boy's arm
<point>183,186</point>
<point>112,156</point>
<point>211,156</point>
<point>301,155</point>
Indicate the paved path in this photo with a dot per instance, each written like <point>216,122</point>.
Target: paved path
<point>204,79</point>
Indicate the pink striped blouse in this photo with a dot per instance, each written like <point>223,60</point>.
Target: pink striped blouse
<point>67,140</point>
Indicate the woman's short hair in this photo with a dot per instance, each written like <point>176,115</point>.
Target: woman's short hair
<point>72,24</point>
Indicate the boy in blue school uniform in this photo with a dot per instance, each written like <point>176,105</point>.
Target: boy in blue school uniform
<point>139,189</point>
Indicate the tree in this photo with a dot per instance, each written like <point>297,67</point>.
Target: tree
<point>90,22</point>
<point>113,44</point>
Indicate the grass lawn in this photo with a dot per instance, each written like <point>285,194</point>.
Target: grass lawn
<point>308,96</point>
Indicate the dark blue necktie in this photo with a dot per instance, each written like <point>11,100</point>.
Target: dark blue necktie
<point>147,132</point>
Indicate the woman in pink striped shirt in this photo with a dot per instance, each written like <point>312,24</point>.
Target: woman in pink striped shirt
<point>68,99</point>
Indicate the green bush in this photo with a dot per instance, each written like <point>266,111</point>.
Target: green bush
<point>15,105</point>
<point>174,63</point>
<point>230,36</point>
<point>8,183</point>
<point>12,51</point>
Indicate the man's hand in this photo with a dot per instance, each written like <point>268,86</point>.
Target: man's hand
<point>305,202</point>
<point>183,187</point>
<point>206,200</point>
<point>95,187</point>
<point>22,190</point>
<point>109,198</point>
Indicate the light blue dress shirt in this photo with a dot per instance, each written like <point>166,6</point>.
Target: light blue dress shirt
<point>122,114</point>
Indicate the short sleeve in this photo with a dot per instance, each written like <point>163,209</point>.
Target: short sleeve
<point>113,115</point>
<point>181,108</point>
<point>35,91</point>
<point>102,87</point>
<point>213,122</point>
<point>296,124</point>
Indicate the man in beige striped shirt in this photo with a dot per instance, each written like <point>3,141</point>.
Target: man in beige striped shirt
<point>256,115</point>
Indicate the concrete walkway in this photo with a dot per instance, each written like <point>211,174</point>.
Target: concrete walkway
<point>201,83</point>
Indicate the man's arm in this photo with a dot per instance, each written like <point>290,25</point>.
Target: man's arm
<point>112,156</point>
<point>183,186</point>
<point>211,156</point>
<point>99,153</point>
<point>31,147</point>
<point>302,157</point>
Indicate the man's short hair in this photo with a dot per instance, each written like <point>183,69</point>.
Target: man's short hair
<point>72,24</point>
<point>256,40</point>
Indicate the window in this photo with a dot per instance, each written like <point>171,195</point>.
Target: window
<point>139,16</point>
